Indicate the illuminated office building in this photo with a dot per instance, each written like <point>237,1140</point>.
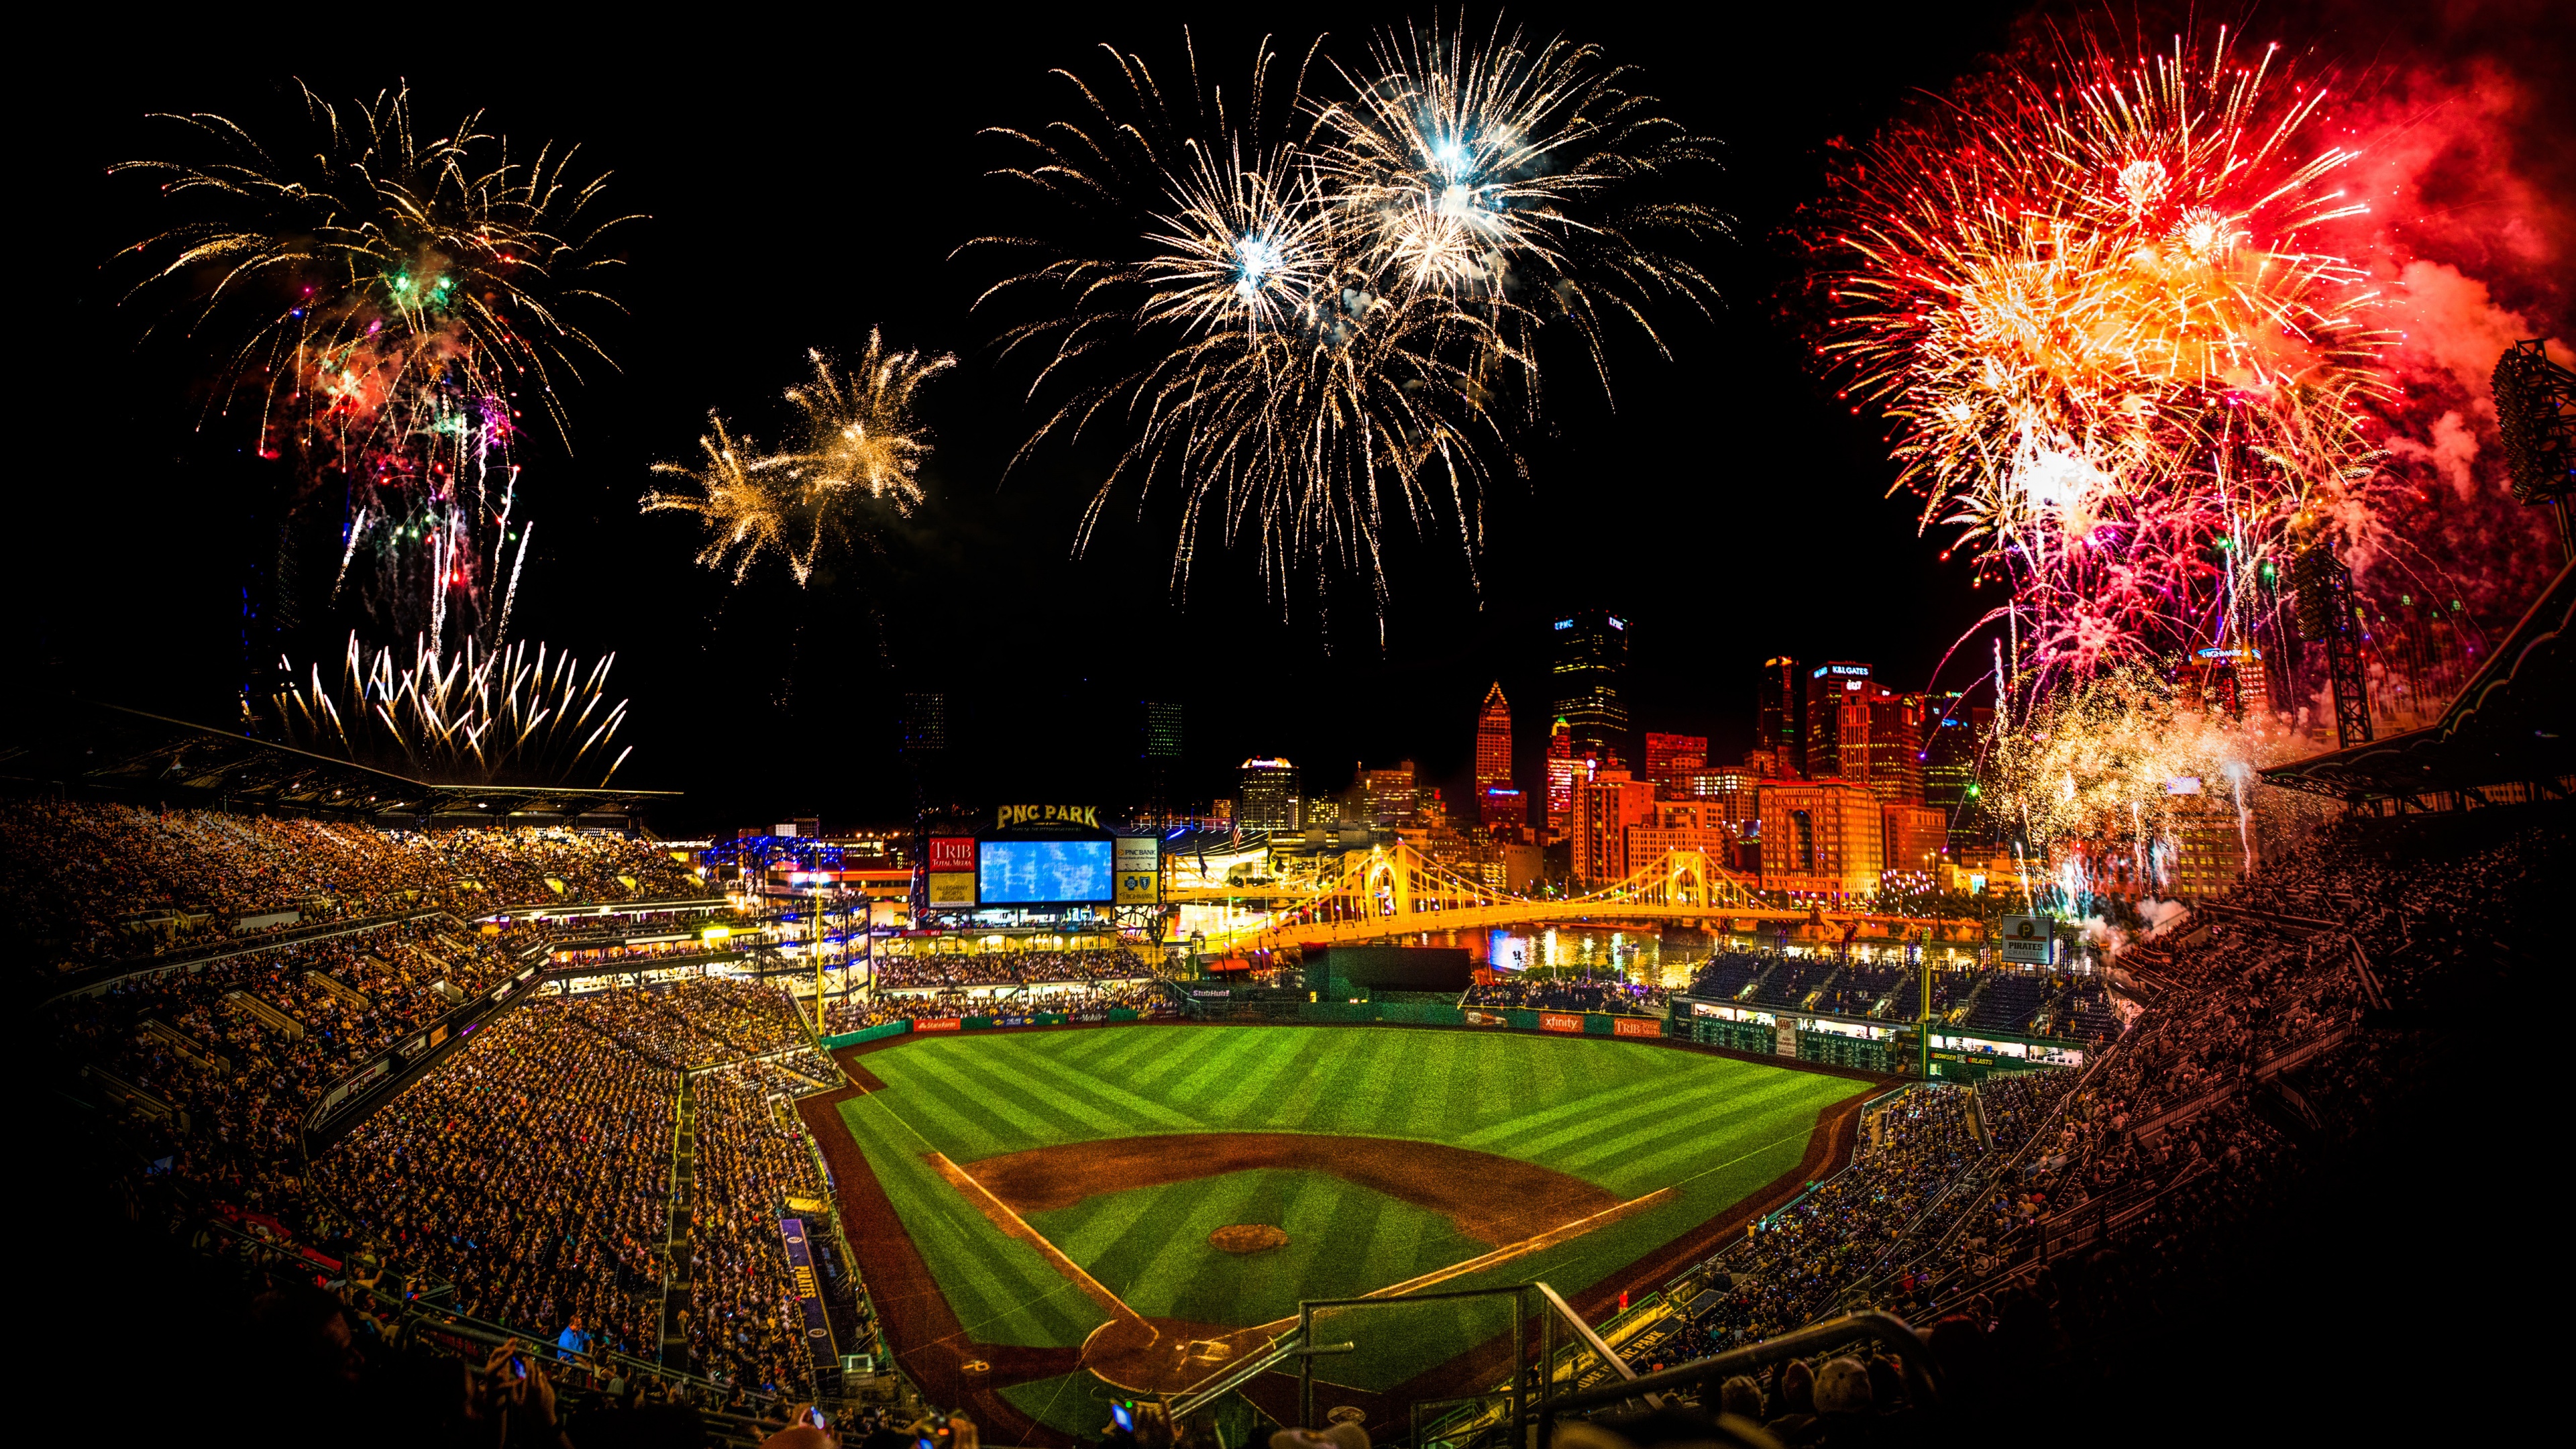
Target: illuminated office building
<point>1391,796</point>
<point>1893,752</point>
<point>1826,691</point>
<point>1669,758</point>
<point>1494,739</point>
<point>1590,667</point>
<point>1821,837</point>
<point>925,723</point>
<point>1561,769</point>
<point>1605,806</point>
<point>1779,704</point>
<point>1267,798</point>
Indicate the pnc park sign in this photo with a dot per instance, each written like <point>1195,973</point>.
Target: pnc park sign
<point>1010,815</point>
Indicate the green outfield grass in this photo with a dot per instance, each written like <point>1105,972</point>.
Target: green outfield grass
<point>1628,1118</point>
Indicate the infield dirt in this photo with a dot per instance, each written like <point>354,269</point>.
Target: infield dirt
<point>1492,1199</point>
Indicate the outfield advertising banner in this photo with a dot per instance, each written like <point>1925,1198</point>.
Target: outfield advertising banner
<point>1139,870</point>
<point>942,1023</point>
<point>1559,1021</point>
<point>1636,1026</point>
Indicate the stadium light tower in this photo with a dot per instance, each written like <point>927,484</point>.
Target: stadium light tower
<point>2536,412</point>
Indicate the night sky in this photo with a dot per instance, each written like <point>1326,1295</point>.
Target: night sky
<point>806,182</point>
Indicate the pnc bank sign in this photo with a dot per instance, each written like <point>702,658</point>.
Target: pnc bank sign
<point>1010,815</point>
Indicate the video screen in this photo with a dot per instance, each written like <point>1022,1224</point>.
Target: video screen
<point>1043,872</point>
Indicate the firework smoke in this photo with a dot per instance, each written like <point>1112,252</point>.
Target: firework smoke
<point>1306,313</point>
<point>508,716</point>
<point>391,302</point>
<point>861,442</point>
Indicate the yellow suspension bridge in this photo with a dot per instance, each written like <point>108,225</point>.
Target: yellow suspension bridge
<point>1395,890</point>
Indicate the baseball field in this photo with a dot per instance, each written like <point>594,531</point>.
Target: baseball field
<point>1049,1218</point>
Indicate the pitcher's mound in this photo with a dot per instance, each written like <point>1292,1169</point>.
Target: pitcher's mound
<point>1247,1238</point>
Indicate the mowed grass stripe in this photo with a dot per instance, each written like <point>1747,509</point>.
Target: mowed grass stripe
<point>1007,1124</point>
<point>1165,1077</point>
<point>1094,1089</point>
<point>1429,1109</point>
<point>973,1078</point>
<point>1327,1082</point>
<point>1669,1101</point>
<point>1725,1107</point>
<point>1794,1119</point>
<point>1078,1116</point>
<point>1241,1078</point>
<point>1610,1088</point>
<point>1125,1048</point>
<point>957,1125</point>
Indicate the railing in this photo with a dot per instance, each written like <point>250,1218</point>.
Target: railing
<point>1696,1376</point>
<point>99,978</point>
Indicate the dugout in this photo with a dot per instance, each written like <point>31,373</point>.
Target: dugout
<point>1338,973</point>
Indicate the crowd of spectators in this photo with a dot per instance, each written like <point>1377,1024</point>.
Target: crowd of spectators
<point>530,1173</point>
<point>2274,1028</point>
<point>242,1044</point>
<point>89,882</point>
<point>2074,1006</point>
<point>744,1326</point>
<point>1556,993</point>
<point>694,1023</point>
<point>942,970</point>
<point>1796,1263</point>
<point>857,1013</point>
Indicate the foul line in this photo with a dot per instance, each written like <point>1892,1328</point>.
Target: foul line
<point>1013,1225</point>
<point>1510,1251</point>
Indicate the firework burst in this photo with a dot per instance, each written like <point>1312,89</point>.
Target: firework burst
<point>862,442</point>
<point>1306,314</point>
<point>513,715</point>
<point>1510,172</point>
<point>2125,764</point>
<point>2092,298</point>
<point>391,301</point>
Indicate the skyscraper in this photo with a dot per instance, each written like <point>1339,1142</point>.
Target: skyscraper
<point>925,723</point>
<point>1158,745</point>
<point>1158,730</point>
<point>1671,758</point>
<point>1390,795</point>
<point>1895,748</point>
<point>1604,808</point>
<point>1778,704</point>
<point>1266,797</point>
<point>1561,769</point>
<point>1829,687</point>
<point>1494,740</point>
<point>1589,669</point>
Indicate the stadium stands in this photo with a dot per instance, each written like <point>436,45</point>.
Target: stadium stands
<point>751,1159</point>
<point>525,1181</point>
<point>531,1174</point>
<point>102,882</point>
<point>1009,968</point>
<point>1556,994</point>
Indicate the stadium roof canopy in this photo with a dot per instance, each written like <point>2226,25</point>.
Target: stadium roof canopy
<point>92,747</point>
<point>2510,724</point>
